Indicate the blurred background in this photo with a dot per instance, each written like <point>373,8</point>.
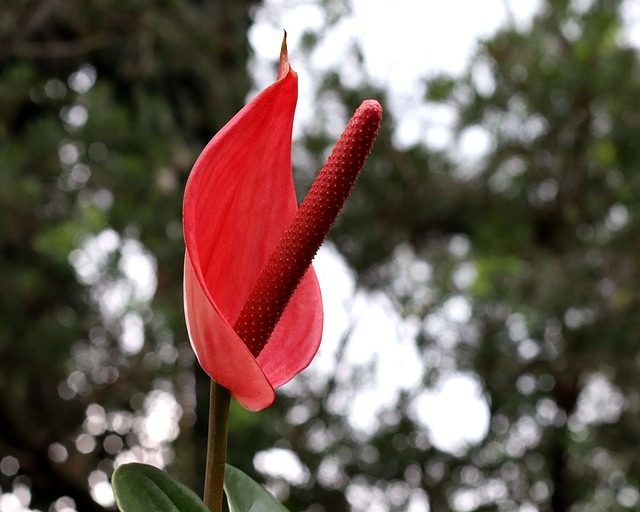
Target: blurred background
<point>482,342</point>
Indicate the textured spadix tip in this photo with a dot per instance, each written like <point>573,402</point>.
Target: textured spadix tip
<point>370,108</point>
<point>358,137</point>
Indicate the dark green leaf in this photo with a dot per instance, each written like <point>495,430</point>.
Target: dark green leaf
<point>143,488</point>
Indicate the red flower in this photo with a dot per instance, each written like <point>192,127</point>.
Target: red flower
<point>252,301</point>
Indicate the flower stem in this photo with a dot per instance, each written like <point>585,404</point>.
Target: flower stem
<point>219,399</point>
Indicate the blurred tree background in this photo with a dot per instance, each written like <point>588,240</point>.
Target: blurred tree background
<point>517,268</point>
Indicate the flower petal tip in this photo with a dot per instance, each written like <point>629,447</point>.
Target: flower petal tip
<point>283,66</point>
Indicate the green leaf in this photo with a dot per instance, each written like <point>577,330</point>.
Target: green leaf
<point>143,488</point>
<point>246,495</point>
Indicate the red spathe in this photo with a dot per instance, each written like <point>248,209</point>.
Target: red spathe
<point>238,201</point>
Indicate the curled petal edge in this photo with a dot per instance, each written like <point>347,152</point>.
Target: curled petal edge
<point>227,360</point>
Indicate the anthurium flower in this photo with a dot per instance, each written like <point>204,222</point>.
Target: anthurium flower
<point>252,301</point>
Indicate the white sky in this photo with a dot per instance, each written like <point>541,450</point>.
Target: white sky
<point>403,42</point>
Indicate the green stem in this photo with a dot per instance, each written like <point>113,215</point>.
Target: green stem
<point>219,399</point>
